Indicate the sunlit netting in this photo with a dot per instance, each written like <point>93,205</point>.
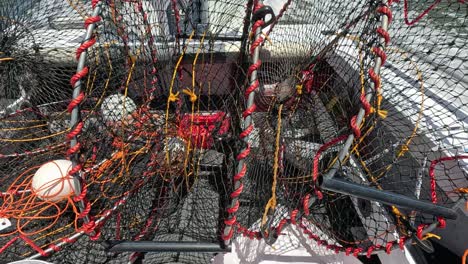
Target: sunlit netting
<point>201,120</point>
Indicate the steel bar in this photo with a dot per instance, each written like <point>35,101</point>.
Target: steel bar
<point>170,246</point>
<point>385,197</point>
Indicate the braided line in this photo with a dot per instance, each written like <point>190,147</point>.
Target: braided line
<point>91,20</point>
<point>75,169</point>
<point>241,174</point>
<point>365,104</point>
<point>229,235</point>
<point>74,149</point>
<point>256,43</point>
<point>85,211</point>
<point>230,221</point>
<point>388,247</point>
<point>247,131</point>
<point>33,245</point>
<point>294,216</point>
<point>234,209</point>
<point>419,231</point>
<point>54,247</point>
<point>82,195</point>
<point>305,205</point>
<point>88,227</point>
<point>238,191</point>
<point>369,251</point>
<point>75,131</point>
<point>401,243</point>
<point>279,16</point>
<point>379,52</point>
<point>84,46</point>
<point>249,110</point>
<point>252,88</point>
<point>384,34</point>
<point>442,222</point>
<point>254,67</point>
<point>75,102</point>
<point>8,244</point>
<point>348,251</point>
<point>375,78</point>
<point>357,251</point>
<point>281,224</point>
<point>355,127</point>
<point>257,24</point>
<point>78,76</point>
<point>94,3</point>
<point>244,153</point>
<point>386,11</point>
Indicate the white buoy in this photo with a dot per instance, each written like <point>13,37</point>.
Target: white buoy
<point>116,108</point>
<point>51,181</point>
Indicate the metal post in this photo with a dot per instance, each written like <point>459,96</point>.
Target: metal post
<point>347,145</point>
<point>75,114</point>
<point>170,246</point>
<point>247,122</point>
<point>385,197</point>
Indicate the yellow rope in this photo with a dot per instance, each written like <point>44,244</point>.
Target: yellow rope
<point>272,202</point>
<point>173,97</point>
<point>193,97</point>
<point>431,235</point>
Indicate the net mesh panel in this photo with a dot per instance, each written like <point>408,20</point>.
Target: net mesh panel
<point>36,62</point>
<point>163,114</point>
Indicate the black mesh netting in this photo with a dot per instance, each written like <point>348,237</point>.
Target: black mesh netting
<point>202,120</point>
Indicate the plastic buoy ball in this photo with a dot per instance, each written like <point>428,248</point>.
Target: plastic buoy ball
<point>117,108</point>
<point>51,181</point>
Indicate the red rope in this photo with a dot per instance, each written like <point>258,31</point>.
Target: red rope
<point>33,245</point>
<point>252,88</point>
<point>84,46</point>
<point>78,76</point>
<point>8,244</point>
<point>279,16</point>
<point>241,174</point>
<point>388,247</point>
<point>386,11</point>
<point>74,150</point>
<point>91,20</point>
<point>294,216</point>
<point>237,192</point>
<point>357,251</point>
<point>94,3</point>
<point>234,209</point>
<point>319,152</point>
<point>365,104</point>
<point>247,131</point>
<point>176,15</point>
<point>244,153</point>
<point>75,102</point>
<point>75,131</point>
<point>281,224</point>
<point>384,34</point>
<point>420,16</point>
<point>379,52</point>
<point>249,110</point>
<point>305,204</point>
